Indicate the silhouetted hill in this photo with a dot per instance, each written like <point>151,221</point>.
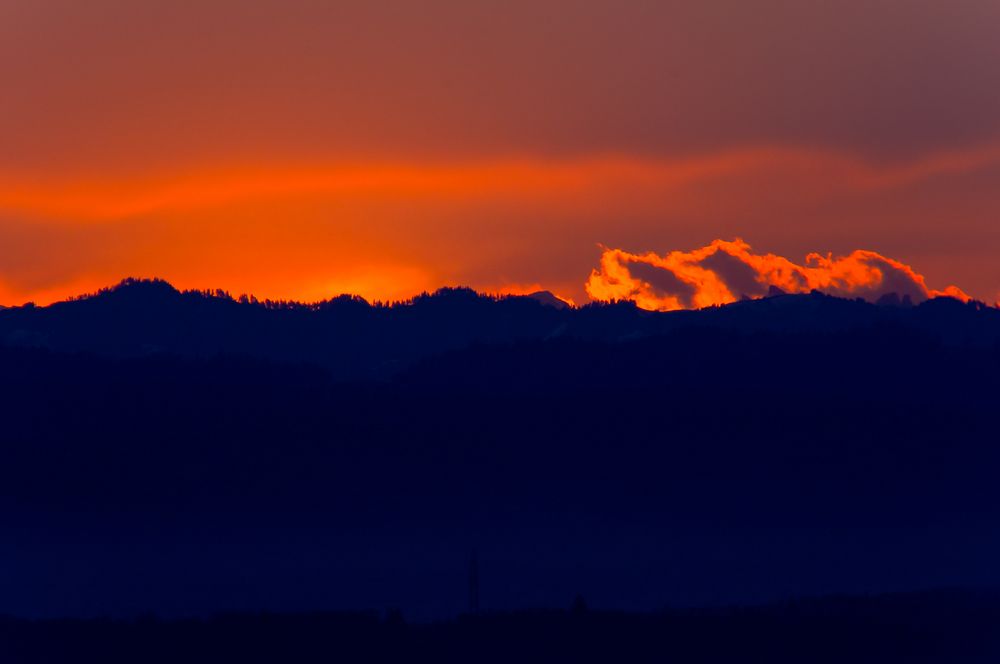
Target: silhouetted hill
<point>549,299</point>
<point>355,339</point>
<point>695,466</point>
<point>187,453</point>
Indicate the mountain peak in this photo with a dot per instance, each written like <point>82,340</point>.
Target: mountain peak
<point>136,288</point>
<point>548,298</point>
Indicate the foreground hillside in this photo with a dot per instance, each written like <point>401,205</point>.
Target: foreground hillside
<point>700,465</point>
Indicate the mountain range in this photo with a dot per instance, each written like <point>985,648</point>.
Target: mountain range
<point>354,339</point>
<point>187,453</point>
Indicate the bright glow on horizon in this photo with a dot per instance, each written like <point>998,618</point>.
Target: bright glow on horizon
<point>297,149</point>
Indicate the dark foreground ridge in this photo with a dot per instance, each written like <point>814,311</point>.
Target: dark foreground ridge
<point>354,339</point>
<point>943,627</point>
<point>161,453</point>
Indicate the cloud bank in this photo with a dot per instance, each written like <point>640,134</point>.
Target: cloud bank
<point>727,271</point>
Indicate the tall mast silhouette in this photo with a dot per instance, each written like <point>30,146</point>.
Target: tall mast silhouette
<point>474,582</point>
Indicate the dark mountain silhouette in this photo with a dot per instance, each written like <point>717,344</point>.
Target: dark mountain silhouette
<point>549,299</point>
<point>188,453</point>
<point>354,339</point>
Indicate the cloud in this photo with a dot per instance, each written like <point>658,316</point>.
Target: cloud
<point>726,271</point>
<point>586,178</point>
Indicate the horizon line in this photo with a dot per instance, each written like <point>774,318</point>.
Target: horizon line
<point>495,295</point>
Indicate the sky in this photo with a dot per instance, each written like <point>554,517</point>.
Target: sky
<point>298,149</point>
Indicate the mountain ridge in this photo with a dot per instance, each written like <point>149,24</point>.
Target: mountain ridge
<point>355,339</point>
<point>800,444</point>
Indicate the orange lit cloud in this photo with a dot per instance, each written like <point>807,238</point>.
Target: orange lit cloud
<point>725,272</point>
<point>301,230</point>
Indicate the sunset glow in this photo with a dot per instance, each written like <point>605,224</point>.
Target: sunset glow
<point>298,150</point>
<point>309,208</point>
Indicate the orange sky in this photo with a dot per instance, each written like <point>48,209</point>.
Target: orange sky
<point>300,149</point>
